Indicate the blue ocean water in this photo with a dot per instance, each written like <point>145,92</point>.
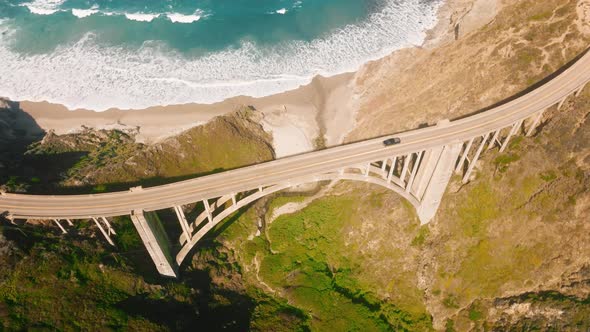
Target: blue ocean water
<point>98,54</point>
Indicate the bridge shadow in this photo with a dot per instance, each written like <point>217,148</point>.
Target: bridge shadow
<point>18,130</point>
<point>21,168</point>
<point>202,306</point>
<point>200,310</point>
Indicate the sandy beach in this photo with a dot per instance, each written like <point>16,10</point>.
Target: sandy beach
<point>327,107</point>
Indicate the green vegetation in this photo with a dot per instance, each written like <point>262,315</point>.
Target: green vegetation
<point>548,176</point>
<point>101,188</point>
<point>65,285</point>
<point>503,160</point>
<point>127,237</point>
<point>451,301</point>
<point>515,142</point>
<point>449,326</point>
<point>541,16</point>
<point>475,315</point>
<point>271,314</point>
<point>421,237</point>
<point>479,206</point>
<point>308,260</point>
<point>319,142</point>
<point>302,244</point>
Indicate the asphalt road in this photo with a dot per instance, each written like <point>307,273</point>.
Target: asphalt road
<point>288,169</point>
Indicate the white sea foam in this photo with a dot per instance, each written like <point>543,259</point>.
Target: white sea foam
<point>181,18</point>
<point>48,7</point>
<point>281,11</point>
<point>86,75</point>
<point>81,13</point>
<point>43,7</point>
<point>141,17</point>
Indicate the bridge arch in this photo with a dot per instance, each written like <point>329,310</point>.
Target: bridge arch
<point>369,174</point>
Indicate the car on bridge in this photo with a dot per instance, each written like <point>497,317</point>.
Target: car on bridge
<point>391,141</point>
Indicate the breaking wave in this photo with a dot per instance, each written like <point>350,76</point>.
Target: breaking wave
<point>49,7</point>
<point>181,18</point>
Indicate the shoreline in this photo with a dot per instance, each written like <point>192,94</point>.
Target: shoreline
<point>327,106</point>
<point>87,71</point>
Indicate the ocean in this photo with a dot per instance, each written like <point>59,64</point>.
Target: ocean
<point>98,54</point>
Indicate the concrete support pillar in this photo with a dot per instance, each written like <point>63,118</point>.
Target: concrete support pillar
<point>475,158</point>
<point>414,171</point>
<point>391,169</point>
<point>156,242</point>
<point>561,103</point>
<point>63,230</point>
<point>535,123</point>
<point>579,91</point>
<point>464,156</point>
<point>494,139</point>
<point>383,165</point>
<point>405,167</point>
<point>208,210</point>
<point>233,199</point>
<point>367,169</point>
<point>104,233</point>
<point>110,230</point>
<point>512,132</point>
<point>69,222</point>
<point>438,182</point>
<point>427,165</point>
<point>183,222</point>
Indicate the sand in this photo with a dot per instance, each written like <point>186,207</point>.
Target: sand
<point>327,107</point>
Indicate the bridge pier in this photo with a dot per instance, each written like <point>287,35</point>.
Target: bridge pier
<point>535,123</point>
<point>429,162</point>
<point>208,210</point>
<point>579,91</point>
<point>414,171</point>
<point>156,241</point>
<point>475,158</point>
<point>402,176</point>
<point>513,131</point>
<point>391,169</point>
<point>107,235</point>
<point>183,222</point>
<point>560,104</point>
<point>495,140</point>
<point>442,169</point>
<point>63,230</point>
<point>464,156</point>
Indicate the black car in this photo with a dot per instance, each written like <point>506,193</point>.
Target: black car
<point>391,141</point>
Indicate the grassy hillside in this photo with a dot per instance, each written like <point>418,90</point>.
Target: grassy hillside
<point>506,252</point>
<point>105,160</point>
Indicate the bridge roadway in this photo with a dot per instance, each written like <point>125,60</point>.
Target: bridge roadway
<point>281,171</point>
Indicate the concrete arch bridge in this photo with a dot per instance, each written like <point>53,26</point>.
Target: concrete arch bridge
<point>418,169</point>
